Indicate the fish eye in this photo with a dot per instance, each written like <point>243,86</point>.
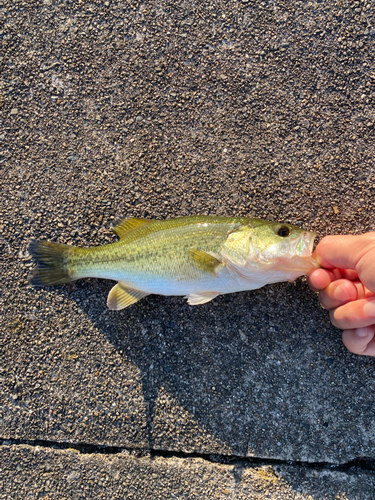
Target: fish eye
<point>283,231</point>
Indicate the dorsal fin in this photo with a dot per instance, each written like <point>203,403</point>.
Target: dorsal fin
<point>124,225</point>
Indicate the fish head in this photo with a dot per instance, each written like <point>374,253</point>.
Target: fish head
<point>271,240</point>
<point>264,244</point>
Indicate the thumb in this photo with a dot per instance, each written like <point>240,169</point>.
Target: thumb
<point>349,252</point>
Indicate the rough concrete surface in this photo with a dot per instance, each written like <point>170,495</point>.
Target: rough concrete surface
<point>35,472</point>
<point>162,109</point>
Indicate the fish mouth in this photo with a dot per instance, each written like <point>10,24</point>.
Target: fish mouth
<point>305,244</point>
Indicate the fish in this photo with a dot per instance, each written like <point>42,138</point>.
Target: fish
<point>199,257</point>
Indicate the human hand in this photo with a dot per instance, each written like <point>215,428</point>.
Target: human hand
<point>346,286</point>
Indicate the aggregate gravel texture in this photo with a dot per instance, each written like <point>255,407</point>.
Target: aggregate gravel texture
<point>163,109</point>
<point>35,472</point>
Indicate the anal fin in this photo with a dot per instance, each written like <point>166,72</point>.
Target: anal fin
<point>197,298</point>
<point>121,296</point>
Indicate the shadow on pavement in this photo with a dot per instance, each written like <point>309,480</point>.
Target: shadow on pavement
<point>260,373</point>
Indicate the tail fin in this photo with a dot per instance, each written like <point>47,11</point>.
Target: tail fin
<point>52,263</point>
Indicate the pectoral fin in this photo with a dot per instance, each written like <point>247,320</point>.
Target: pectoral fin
<point>201,297</point>
<point>124,225</point>
<point>121,296</point>
<point>204,260</point>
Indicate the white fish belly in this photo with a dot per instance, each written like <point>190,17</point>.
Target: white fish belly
<point>226,281</point>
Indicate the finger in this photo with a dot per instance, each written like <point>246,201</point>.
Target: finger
<point>338,293</point>
<point>318,279</point>
<point>362,291</point>
<point>360,340</point>
<point>355,314</point>
<point>349,252</point>
<point>342,251</point>
<point>337,273</point>
<point>366,269</point>
<point>349,274</point>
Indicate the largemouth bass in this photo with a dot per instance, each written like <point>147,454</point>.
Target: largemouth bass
<point>199,257</point>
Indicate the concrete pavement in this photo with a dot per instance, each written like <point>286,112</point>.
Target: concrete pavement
<point>160,110</point>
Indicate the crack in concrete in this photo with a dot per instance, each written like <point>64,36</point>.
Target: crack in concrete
<point>362,463</point>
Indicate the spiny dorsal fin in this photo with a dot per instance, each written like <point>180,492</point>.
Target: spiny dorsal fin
<point>197,298</point>
<point>204,260</point>
<point>124,225</point>
<point>121,296</point>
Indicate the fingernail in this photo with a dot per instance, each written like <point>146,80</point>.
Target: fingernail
<point>341,293</point>
<point>369,309</point>
<point>363,332</point>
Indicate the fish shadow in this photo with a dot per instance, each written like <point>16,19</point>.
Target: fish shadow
<point>231,366</point>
